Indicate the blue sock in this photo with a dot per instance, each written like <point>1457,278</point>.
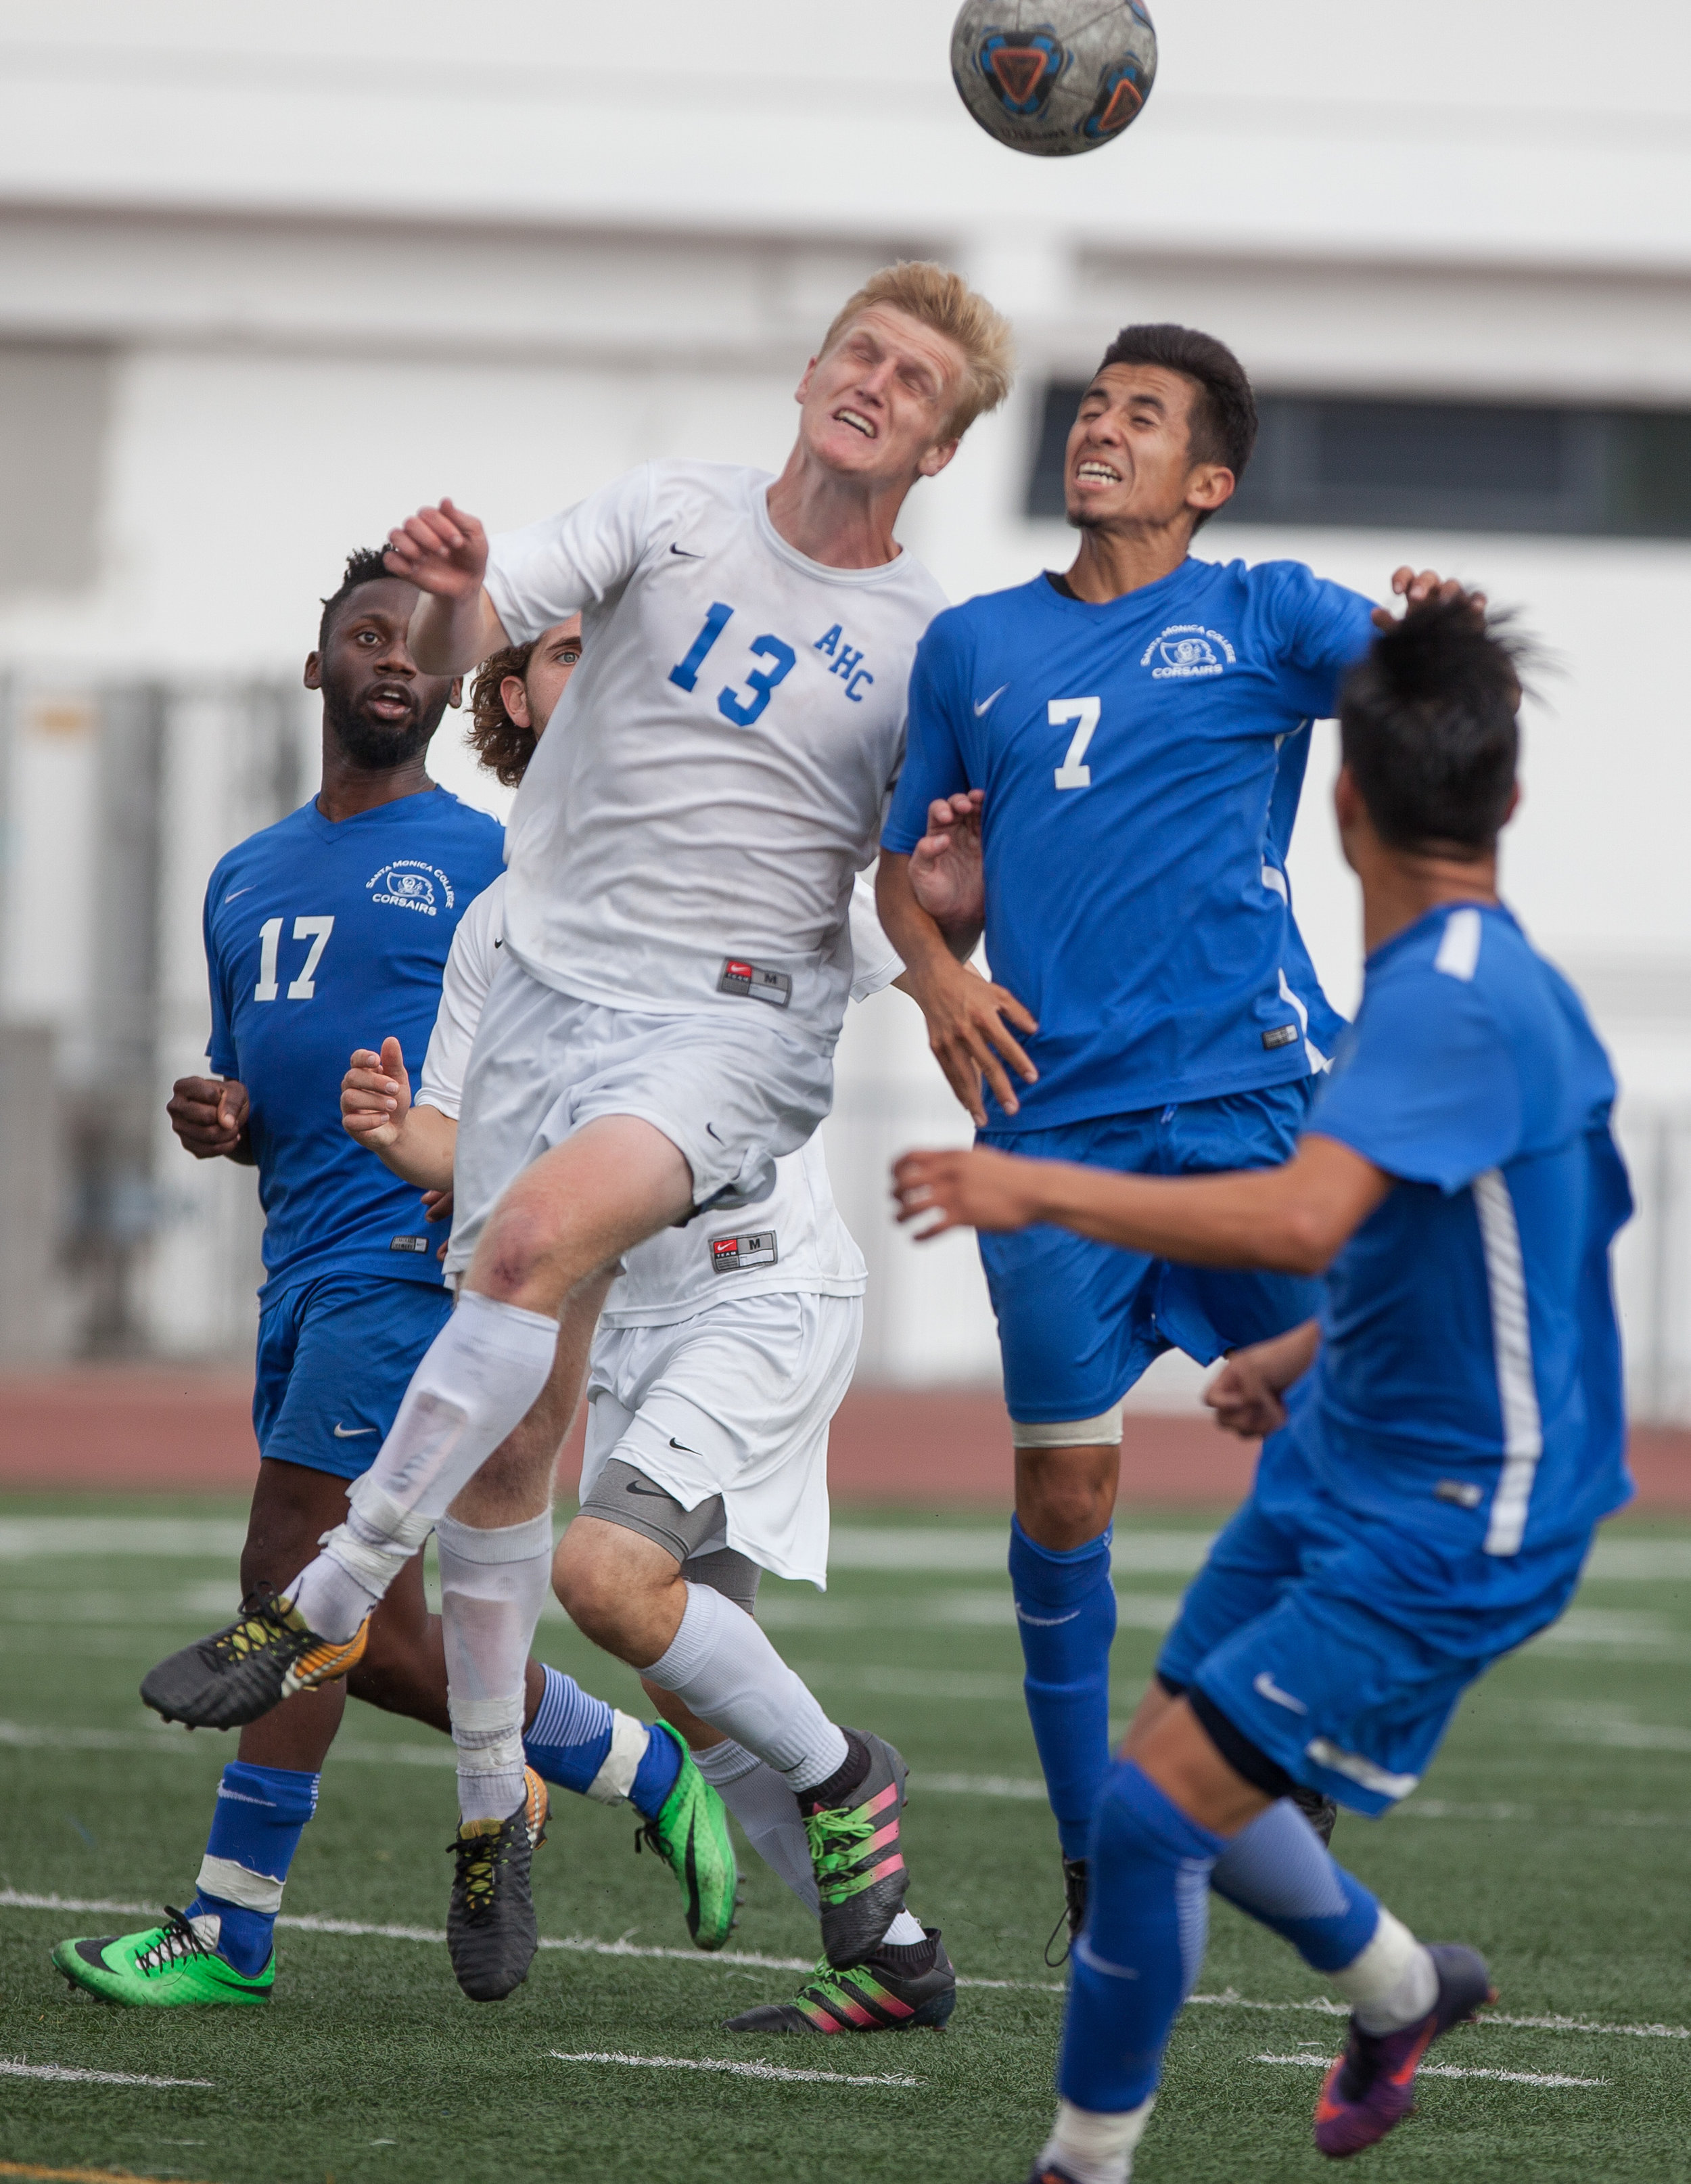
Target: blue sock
<point>1147,1898</point>
<point>570,1738</point>
<point>261,1814</point>
<point>1065,1612</point>
<point>655,1776</point>
<point>1280,1871</point>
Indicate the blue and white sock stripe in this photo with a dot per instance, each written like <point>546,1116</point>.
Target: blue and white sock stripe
<point>567,1714</point>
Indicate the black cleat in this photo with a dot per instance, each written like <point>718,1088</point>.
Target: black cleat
<point>249,1666</point>
<point>1074,1911</point>
<point>492,1932</point>
<point>1320,1812</point>
<point>874,1996</point>
<point>856,1851</point>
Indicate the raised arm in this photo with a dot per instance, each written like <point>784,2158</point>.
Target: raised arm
<point>1292,1220</point>
<point>444,553</point>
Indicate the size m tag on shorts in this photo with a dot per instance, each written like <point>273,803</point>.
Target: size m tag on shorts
<point>739,976</point>
<point>410,1243</point>
<point>733,1255</point>
<point>1282,1035</point>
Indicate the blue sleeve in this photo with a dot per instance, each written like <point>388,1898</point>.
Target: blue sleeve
<point>1425,1085</point>
<point>1321,630</point>
<point>221,1047</point>
<point>933,759</point>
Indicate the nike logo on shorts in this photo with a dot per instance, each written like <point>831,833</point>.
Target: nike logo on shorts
<point>1266,1688</point>
<point>986,704</point>
<point>685,554</point>
<point>683,1446</point>
<point>351,1433</point>
<point>639,1486</point>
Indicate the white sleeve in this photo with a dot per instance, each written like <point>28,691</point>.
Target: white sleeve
<point>875,962</point>
<point>463,990</point>
<point>549,569</point>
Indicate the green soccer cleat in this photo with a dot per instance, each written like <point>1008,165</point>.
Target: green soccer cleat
<point>872,1996</point>
<point>691,1835</point>
<point>266,1656</point>
<point>859,1865</point>
<point>166,1967</point>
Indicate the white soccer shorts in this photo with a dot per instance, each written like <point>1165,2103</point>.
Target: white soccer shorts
<point>736,1400</point>
<point>731,1092</point>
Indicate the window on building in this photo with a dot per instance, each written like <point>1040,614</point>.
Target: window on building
<point>1352,461</point>
<point>55,398</point>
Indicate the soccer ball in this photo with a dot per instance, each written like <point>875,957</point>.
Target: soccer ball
<point>1071,78</point>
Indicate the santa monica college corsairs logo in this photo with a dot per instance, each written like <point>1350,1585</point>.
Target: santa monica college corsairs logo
<point>1023,67</point>
<point>408,885</point>
<point>1186,649</point>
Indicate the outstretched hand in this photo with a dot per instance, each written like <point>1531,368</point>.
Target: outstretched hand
<point>946,876</point>
<point>1423,588</point>
<point>440,550</point>
<point>975,1189</point>
<point>376,1096</point>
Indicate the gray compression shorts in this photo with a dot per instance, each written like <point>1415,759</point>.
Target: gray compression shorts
<point>621,1494</point>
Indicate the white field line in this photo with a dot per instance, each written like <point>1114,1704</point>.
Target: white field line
<point>1452,2070</point>
<point>736,2070</point>
<point>15,2066</point>
<point>13,1899</point>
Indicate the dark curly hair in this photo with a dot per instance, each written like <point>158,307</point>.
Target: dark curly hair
<point>501,745</point>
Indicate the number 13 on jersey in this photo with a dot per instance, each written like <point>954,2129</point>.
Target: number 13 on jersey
<point>1083,713</point>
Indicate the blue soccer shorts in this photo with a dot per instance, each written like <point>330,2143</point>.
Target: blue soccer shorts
<point>335,1356</point>
<point>1340,1646</point>
<point>1079,1321</point>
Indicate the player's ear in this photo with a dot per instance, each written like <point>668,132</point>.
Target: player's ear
<point>455,697</point>
<point>514,696</point>
<point>1209,487</point>
<point>1513,805</point>
<point>936,457</point>
<point>313,670</point>
<point>801,394</point>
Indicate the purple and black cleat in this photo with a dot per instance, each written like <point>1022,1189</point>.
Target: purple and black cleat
<point>1371,2088</point>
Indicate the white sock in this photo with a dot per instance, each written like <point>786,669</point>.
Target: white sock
<point>493,1585</point>
<point>722,1666</point>
<point>480,1375</point>
<point>761,1802</point>
<point>1393,1982</point>
<point>764,1804</point>
<point>1095,2148</point>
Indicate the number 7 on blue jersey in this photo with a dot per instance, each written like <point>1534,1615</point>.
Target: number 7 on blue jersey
<point>1072,773</point>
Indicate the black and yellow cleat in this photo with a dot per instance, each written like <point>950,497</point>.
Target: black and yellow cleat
<point>251,1665</point>
<point>492,1932</point>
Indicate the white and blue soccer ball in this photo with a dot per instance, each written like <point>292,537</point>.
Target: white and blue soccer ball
<point>1053,77</point>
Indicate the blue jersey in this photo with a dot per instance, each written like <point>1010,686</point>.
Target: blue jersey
<point>1468,1385</point>
<point>322,935</point>
<point>1142,761</point>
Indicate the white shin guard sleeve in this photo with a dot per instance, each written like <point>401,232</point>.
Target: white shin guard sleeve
<point>720,1664</point>
<point>1393,1982</point>
<point>493,1585</point>
<point>763,1803</point>
<point>479,1376</point>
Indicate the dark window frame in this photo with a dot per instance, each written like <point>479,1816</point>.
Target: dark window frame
<point>1362,462</point>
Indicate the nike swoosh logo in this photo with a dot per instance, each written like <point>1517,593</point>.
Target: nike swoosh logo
<point>638,1486</point>
<point>239,892</point>
<point>685,554</point>
<point>683,1446</point>
<point>710,1132</point>
<point>1266,1687</point>
<point>500,942</point>
<point>352,1433</point>
<point>986,704</point>
<point>1044,1622</point>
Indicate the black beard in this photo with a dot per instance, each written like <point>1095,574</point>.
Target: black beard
<point>371,745</point>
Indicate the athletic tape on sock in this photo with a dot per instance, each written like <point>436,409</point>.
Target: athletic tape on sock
<point>1393,1982</point>
<point>628,1739</point>
<point>387,1519</point>
<point>235,1883</point>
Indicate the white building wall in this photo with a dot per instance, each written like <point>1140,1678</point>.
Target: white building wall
<point>506,253</point>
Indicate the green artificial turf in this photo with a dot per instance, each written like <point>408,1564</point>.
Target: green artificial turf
<point>1551,1834</point>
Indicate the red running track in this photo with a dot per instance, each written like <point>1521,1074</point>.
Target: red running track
<point>184,1429</point>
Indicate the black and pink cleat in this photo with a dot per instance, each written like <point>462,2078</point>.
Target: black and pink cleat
<point>1371,2088</point>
